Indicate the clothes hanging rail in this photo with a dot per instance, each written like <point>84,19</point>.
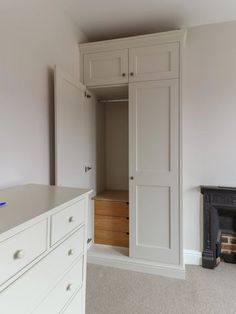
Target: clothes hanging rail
<point>113,100</point>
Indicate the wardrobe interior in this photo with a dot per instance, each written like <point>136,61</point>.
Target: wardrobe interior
<point>111,202</point>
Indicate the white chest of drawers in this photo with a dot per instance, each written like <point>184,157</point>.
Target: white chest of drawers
<point>43,237</point>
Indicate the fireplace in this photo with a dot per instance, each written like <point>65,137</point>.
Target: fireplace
<point>219,225</point>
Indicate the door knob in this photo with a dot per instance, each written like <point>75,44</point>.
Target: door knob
<point>19,254</point>
<point>87,168</point>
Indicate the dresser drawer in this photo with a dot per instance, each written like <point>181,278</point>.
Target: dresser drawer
<point>67,220</point>
<point>76,306</point>
<point>112,238</point>
<point>111,208</point>
<point>111,223</point>
<point>32,287</point>
<point>64,290</point>
<point>21,249</point>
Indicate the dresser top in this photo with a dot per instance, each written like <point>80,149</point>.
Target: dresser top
<point>29,201</point>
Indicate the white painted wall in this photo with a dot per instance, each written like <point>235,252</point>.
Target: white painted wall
<point>209,119</point>
<point>35,35</point>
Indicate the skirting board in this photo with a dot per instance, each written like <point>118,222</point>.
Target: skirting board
<point>192,257</point>
<point>118,258</point>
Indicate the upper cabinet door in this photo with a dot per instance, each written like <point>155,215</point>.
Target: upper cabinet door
<point>105,68</point>
<point>154,62</point>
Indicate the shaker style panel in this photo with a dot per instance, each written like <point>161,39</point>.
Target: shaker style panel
<point>154,62</point>
<point>106,68</point>
<point>154,166</point>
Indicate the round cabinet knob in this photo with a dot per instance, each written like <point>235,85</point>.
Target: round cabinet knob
<point>19,254</point>
<point>123,74</point>
<point>71,252</point>
<point>131,178</point>
<point>131,73</point>
<point>69,287</point>
<point>72,219</point>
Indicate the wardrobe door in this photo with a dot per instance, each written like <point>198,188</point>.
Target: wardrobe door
<point>106,68</point>
<point>154,171</point>
<point>154,62</point>
<point>69,131</point>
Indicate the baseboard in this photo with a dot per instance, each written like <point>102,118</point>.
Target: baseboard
<point>192,257</point>
<point>100,257</point>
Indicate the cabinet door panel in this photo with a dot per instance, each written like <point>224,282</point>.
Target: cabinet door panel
<point>154,62</point>
<point>105,68</point>
<point>154,165</point>
<point>69,130</point>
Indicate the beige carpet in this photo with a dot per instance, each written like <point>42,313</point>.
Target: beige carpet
<point>115,291</point>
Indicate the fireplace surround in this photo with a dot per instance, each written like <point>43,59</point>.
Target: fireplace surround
<point>219,212</point>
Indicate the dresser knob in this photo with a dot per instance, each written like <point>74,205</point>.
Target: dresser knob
<point>132,73</point>
<point>19,254</point>
<point>69,287</point>
<point>123,74</point>
<point>71,252</point>
<point>72,219</point>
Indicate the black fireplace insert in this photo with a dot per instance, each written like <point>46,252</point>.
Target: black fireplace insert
<point>219,225</point>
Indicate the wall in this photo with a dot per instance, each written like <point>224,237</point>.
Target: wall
<point>116,146</point>
<point>35,36</point>
<point>209,115</point>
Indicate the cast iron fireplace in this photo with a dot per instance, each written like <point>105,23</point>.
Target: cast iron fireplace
<point>219,225</point>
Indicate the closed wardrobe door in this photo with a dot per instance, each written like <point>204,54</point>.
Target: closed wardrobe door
<point>154,171</point>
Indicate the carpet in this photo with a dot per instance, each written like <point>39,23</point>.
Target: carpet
<point>116,291</point>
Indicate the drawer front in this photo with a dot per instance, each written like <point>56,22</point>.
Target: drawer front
<point>42,277</point>
<point>67,220</point>
<point>112,238</point>
<point>76,306</point>
<point>105,68</point>
<point>108,208</point>
<point>154,62</point>
<point>64,290</point>
<point>21,249</point>
<point>111,223</point>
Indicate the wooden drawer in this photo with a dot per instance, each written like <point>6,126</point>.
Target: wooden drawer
<point>21,249</point>
<point>67,220</point>
<point>111,223</point>
<point>76,306</point>
<point>63,291</point>
<point>111,208</point>
<point>40,279</point>
<point>112,238</point>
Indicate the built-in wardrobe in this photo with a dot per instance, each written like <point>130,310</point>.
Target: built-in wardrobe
<point>129,101</point>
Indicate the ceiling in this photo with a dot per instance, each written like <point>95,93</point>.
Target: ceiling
<point>106,19</point>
